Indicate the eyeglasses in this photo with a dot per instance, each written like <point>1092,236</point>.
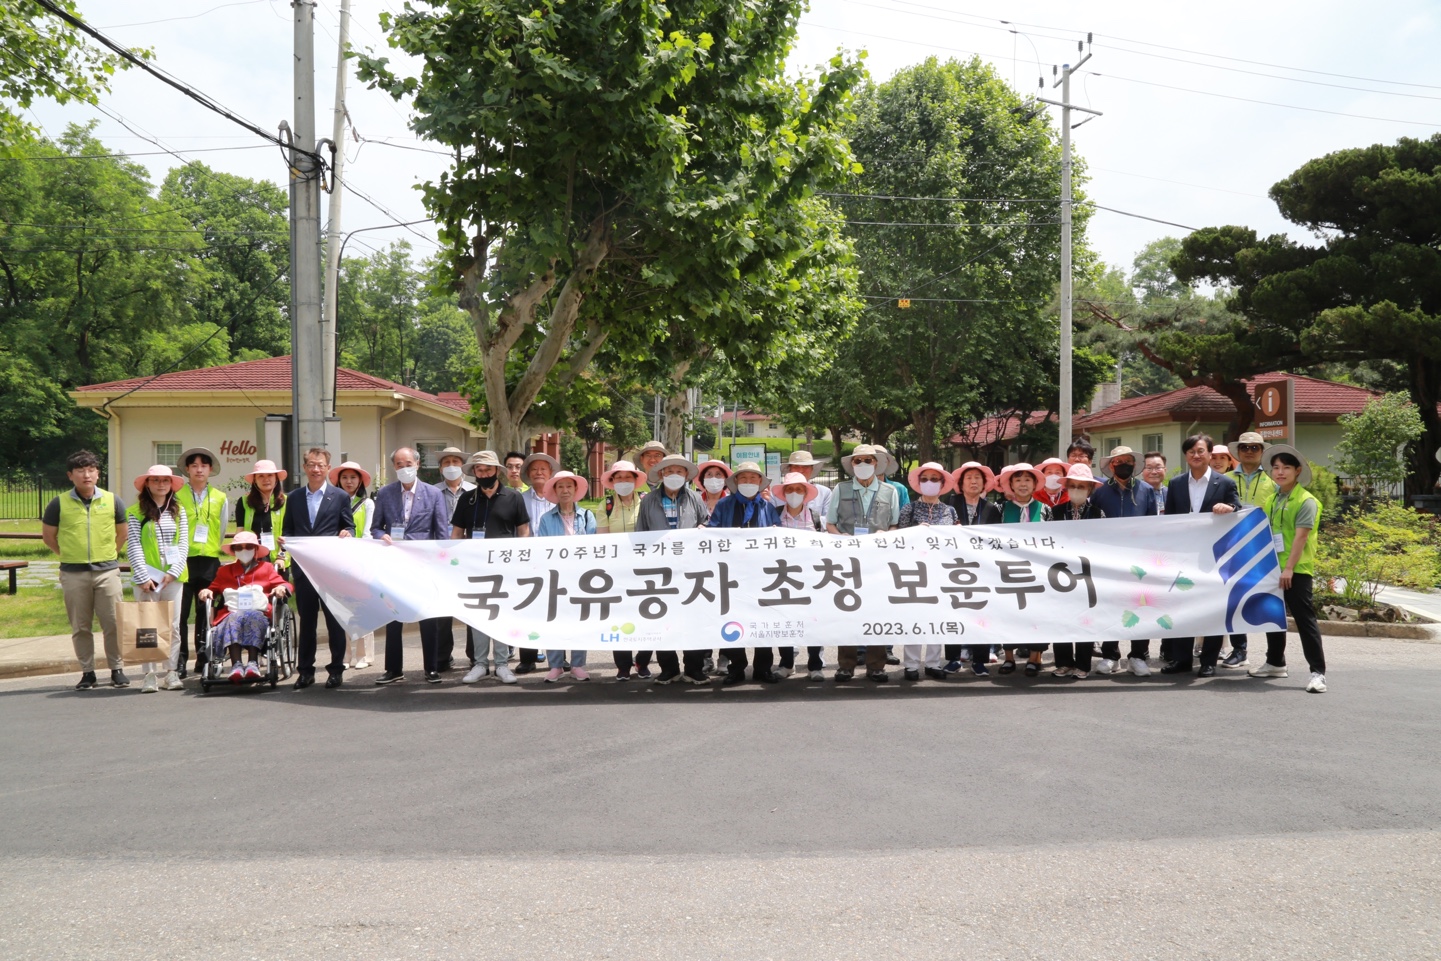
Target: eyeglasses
<point>1249,448</point>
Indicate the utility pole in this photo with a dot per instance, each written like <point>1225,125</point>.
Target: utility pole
<point>333,241</point>
<point>307,365</point>
<point>1067,404</point>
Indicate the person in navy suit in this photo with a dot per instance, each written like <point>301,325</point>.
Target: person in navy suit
<point>318,509</point>
<point>1199,490</point>
<point>407,510</point>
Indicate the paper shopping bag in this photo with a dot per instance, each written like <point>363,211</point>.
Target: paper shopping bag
<point>144,631</point>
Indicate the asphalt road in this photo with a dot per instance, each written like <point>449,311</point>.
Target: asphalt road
<point>1011,818</point>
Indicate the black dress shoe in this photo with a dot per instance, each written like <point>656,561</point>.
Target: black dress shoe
<point>523,668</point>
<point>911,675</point>
<point>390,677</point>
<point>767,677</point>
<point>1208,671</point>
<point>1176,667</point>
<point>305,679</point>
<point>333,679</point>
<point>183,672</point>
<point>432,677</point>
<point>936,673</point>
<point>733,678</point>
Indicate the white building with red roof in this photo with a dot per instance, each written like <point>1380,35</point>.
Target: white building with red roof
<point>241,412</point>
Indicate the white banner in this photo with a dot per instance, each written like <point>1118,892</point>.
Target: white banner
<point>1076,581</point>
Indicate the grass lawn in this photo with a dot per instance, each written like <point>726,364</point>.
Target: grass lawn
<point>821,447</point>
<point>33,612</point>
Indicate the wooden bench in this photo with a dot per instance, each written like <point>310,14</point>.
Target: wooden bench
<point>21,537</point>
<point>13,567</point>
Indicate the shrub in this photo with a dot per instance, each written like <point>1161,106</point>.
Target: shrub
<point>1326,490</point>
<point>1389,545</point>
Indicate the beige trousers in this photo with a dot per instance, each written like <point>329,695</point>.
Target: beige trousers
<point>88,595</point>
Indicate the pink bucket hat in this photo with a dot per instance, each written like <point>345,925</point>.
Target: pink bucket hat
<point>619,467</point>
<point>160,470</point>
<point>1053,462</point>
<point>582,486</point>
<point>1004,481</point>
<point>1223,449</point>
<point>1080,472</point>
<point>268,467</point>
<point>246,539</point>
<point>986,472</point>
<point>948,483</point>
<point>706,465</point>
<point>350,465</point>
<point>778,491</point>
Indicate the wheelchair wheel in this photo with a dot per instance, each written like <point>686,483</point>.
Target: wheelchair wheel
<point>282,643</point>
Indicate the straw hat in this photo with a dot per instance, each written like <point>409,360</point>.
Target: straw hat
<point>538,455</point>
<point>268,467</point>
<point>948,483</point>
<point>1080,472</point>
<point>800,458</point>
<point>672,460</point>
<point>160,470</point>
<point>778,491</point>
<point>1011,470</point>
<point>866,450</point>
<point>1304,479</point>
<point>743,467</point>
<point>1250,437</point>
<point>348,465</point>
<point>974,465</point>
<point>207,453</point>
<point>701,469</point>
<point>582,486</point>
<point>1121,451</point>
<point>246,539</point>
<point>619,467</point>
<point>481,458</point>
<point>1223,449</point>
<point>650,445</point>
<point>452,452</point>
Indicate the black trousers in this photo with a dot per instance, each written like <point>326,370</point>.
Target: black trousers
<point>1077,655</point>
<point>527,655</point>
<point>308,606</point>
<point>201,571</point>
<point>765,659</point>
<point>788,657</point>
<point>670,662</point>
<point>395,650</point>
<point>1238,643</point>
<point>444,641</point>
<point>1301,605</point>
<point>814,659</point>
<point>625,660</point>
<point>1033,648</point>
<point>1179,650</point>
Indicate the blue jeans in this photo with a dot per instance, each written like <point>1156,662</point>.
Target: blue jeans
<point>554,659</point>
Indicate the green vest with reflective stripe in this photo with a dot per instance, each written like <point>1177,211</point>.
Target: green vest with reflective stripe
<point>87,533</point>
<point>361,515</point>
<point>1284,523</point>
<point>210,511</point>
<point>150,541</point>
<point>1256,491</point>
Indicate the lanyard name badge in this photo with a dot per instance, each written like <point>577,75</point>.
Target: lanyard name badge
<point>268,539</point>
<point>397,532</point>
<point>201,534</point>
<point>477,527</point>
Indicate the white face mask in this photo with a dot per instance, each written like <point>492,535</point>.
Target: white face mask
<point>406,475</point>
<point>794,500</point>
<point>1053,482</point>
<point>863,471</point>
<point>245,557</point>
<point>714,484</point>
<point>930,488</point>
<point>673,482</point>
<point>624,488</point>
<point>748,490</point>
<point>450,473</point>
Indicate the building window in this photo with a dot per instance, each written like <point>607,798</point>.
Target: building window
<point>1111,444</point>
<point>429,451</point>
<point>1152,443</point>
<point>750,428</point>
<point>168,452</point>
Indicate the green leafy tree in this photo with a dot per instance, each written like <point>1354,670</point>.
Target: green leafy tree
<point>620,165</point>
<point>1373,443</point>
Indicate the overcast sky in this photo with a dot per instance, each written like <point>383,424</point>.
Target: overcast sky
<point>1183,138</point>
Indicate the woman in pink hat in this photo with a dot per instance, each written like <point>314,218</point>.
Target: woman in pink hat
<point>1019,482</point>
<point>566,519</point>
<point>622,508</point>
<point>262,510</point>
<point>1074,660</point>
<point>158,534</point>
<point>355,481</point>
<point>1052,491</point>
<point>793,493</point>
<point>972,481</point>
<point>242,631</point>
<point>710,480</point>
<point>929,481</point>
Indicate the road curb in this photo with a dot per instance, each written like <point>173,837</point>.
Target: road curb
<point>1404,632</point>
<point>36,668</point>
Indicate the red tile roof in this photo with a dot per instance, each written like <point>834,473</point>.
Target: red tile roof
<point>997,429</point>
<point>1316,401</point>
<point>270,373</point>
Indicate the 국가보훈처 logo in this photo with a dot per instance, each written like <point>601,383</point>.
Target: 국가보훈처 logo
<point>732,631</point>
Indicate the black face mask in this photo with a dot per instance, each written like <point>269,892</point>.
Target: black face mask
<point>486,483</point>
<point>1123,471</point>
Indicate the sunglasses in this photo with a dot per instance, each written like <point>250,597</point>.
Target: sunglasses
<point>1249,447</point>
<point>863,460</point>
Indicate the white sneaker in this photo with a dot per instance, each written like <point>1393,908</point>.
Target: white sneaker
<point>1106,666</point>
<point>1267,669</point>
<point>362,664</point>
<point>1139,667</point>
<point>173,682</point>
<point>816,676</point>
<point>1063,672</point>
<point>785,671</point>
<point>152,684</point>
<point>505,674</point>
<point>1317,684</point>
<point>476,673</point>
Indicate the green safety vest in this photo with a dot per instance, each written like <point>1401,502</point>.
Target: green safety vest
<point>209,512</point>
<point>361,517</point>
<point>87,531</point>
<point>1255,492</point>
<point>1285,525</point>
<point>151,542</point>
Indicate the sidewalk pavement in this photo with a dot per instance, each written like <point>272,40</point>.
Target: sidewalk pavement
<point>1427,604</point>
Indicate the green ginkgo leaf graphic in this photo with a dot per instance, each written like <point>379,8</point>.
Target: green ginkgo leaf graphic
<point>1129,619</point>
<point>1138,572</point>
<point>1182,583</point>
<point>1165,621</point>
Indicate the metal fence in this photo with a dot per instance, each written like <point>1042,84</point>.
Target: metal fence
<point>24,499</point>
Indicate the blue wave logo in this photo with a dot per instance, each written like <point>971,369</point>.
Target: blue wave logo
<point>732,631</point>
<point>1252,560</point>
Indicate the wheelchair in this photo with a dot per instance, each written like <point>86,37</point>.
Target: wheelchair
<point>277,649</point>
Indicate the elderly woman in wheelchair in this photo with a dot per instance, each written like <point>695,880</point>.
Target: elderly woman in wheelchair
<point>240,625</point>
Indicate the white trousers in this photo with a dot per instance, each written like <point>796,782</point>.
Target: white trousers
<point>913,654</point>
<point>170,592</point>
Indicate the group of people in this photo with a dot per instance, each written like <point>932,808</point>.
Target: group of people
<point>175,532</point>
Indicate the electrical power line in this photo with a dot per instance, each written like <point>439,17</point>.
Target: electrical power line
<point>1266,103</point>
<point>126,156</point>
<point>193,16</point>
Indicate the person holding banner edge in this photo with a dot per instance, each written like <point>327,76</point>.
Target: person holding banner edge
<point>316,510</point>
<point>673,505</point>
<point>862,505</point>
<point>1255,488</point>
